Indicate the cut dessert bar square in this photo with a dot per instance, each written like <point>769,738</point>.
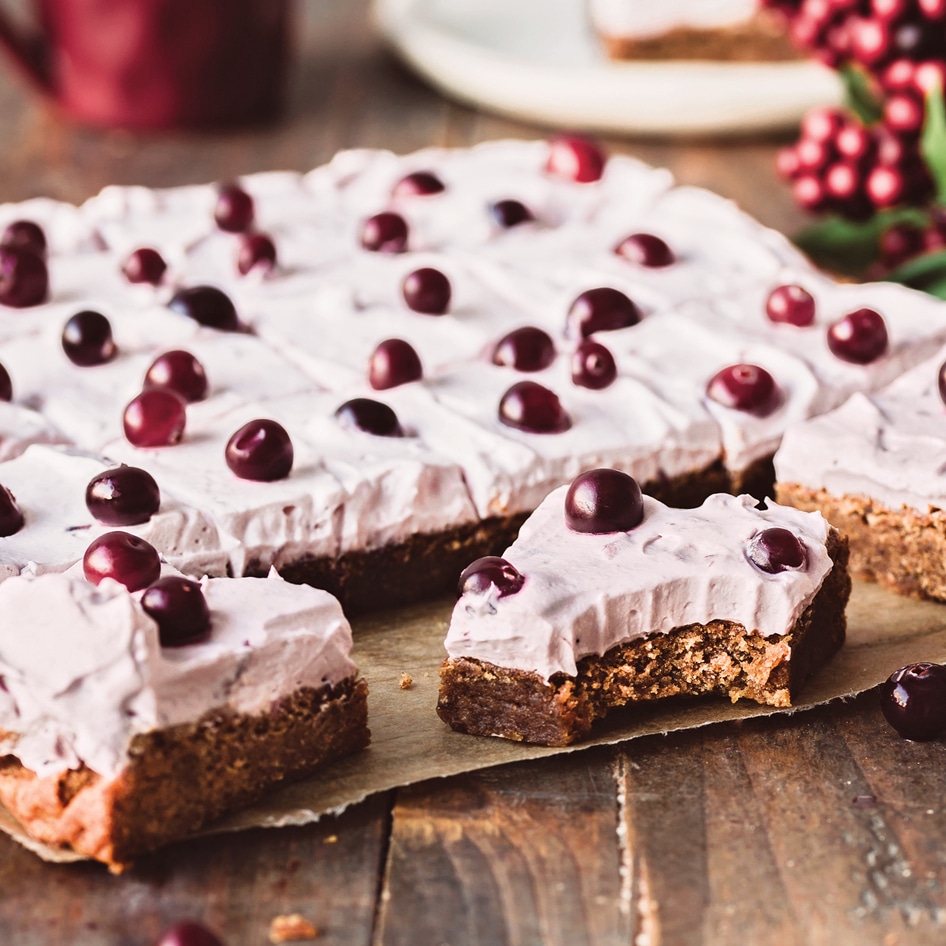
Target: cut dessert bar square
<point>728,598</point>
<point>113,742</point>
<point>874,468</point>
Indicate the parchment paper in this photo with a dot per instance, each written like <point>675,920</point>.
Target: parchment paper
<point>410,744</point>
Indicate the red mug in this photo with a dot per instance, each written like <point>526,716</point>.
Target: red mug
<point>157,63</point>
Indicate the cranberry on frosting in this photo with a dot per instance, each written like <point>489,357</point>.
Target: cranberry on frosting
<point>370,416</point>
<point>777,550</point>
<point>123,496</point>
<point>123,557</point>
<point>180,610</point>
<point>859,337</point>
<point>427,291</point>
<point>87,339</point>
<point>747,388</point>
<point>234,211</point>
<point>510,213</point>
<point>24,278</point>
<point>144,265</point>
<point>26,234</point>
<point>385,232</point>
<point>602,309</point>
<point>525,349</point>
<point>260,450</point>
<point>792,305</point>
<point>575,158</point>
<point>646,249</point>
<point>533,408</point>
<point>488,571</point>
<point>603,501</point>
<point>155,418</point>
<point>418,184</point>
<point>11,517</point>
<point>392,363</point>
<point>593,366</point>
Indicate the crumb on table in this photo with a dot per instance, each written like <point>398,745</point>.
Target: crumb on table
<point>291,927</point>
<point>406,681</point>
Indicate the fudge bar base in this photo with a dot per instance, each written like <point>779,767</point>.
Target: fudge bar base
<point>179,779</point>
<point>761,39</point>
<point>720,657</point>
<point>902,549</point>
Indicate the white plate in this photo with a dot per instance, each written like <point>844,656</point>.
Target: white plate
<point>538,60</point>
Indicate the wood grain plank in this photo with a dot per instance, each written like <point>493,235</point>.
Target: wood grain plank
<point>235,883</point>
<point>522,854</point>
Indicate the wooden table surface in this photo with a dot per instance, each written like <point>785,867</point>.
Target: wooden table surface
<point>821,828</point>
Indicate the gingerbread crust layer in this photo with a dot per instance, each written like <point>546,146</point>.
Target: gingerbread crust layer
<point>902,549</point>
<point>179,779</point>
<point>720,657</point>
<point>761,39</point>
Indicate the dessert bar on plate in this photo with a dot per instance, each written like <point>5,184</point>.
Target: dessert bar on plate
<point>875,468</point>
<point>608,598</point>
<point>724,30</point>
<point>444,336</point>
<point>115,740</point>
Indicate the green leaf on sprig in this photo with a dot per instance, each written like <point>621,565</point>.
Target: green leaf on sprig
<point>933,140</point>
<point>859,96</point>
<point>926,272</point>
<point>849,247</point>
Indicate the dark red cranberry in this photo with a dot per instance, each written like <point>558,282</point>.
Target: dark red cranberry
<point>525,349</point>
<point>813,156</point>
<point>385,232</point>
<point>822,124</point>
<point>746,388</point>
<point>260,450</point>
<point>427,291</point>
<point>859,337</point>
<point>126,558</point>
<point>529,406</point>
<point>901,242</point>
<point>903,114</point>
<point>913,700</point>
<point>24,279</point>
<point>392,363</point>
<point>646,249</point>
<point>777,550</point>
<point>180,610</point>
<point>510,213</point>
<point>600,310</point>
<point>593,366</point>
<point>11,518</point>
<point>206,305</point>
<point>418,184</point>
<point>25,234</point>
<point>145,265</point>
<point>178,371</point>
<point>809,192</point>
<point>792,305</point>
<point>189,933</point>
<point>123,496</point>
<point>842,181</point>
<point>886,186</point>
<point>855,143</point>
<point>6,385</point>
<point>941,382</point>
<point>575,158</point>
<point>479,576</point>
<point>256,251</point>
<point>786,163</point>
<point>373,417</point>
<point>155,418</point>
<point>87,339</point>
<point>603,501</point>
<point>234,211</point>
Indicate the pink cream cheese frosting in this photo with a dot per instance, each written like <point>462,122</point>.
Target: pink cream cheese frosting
<point>584,594</point>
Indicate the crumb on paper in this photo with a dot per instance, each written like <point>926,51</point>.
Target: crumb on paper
<point>331,839</point>
<point>291,927</point>
<point>406,681</point>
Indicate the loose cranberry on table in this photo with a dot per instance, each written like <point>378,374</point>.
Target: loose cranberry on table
<point>256,252</point>
<point>525,349</point>
<point>155,418</point>
<point>575,158</point>
<point>646,249</point>
<point>859,337</point>
<point>206,305</point>
<point>260,450</point>
<point>145,265</point>
<point>418,184</point>
<point>24,279</point>
<point>427,290</point>
<point>87,339</point>
<point>385,232</point>
<point>777,550</point>
<point>178,371</point>
<point>603,309</point>
<point>533,408</point>
<point>370,416</point>
<point>510,213</point>
<point>6,385</point>
<point>593,366</point>
<point>913,700</point>
<point>485,572</point>
<point>234,211</point>
<point>124,557</point>
<point>189,933</point>
<point>745,387</point>
<point>602,501</point>
<point>392,363</point>
<point>123,496</point>
<point>11,517</point>
<point>26,234</point>
<point>180,610</point>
